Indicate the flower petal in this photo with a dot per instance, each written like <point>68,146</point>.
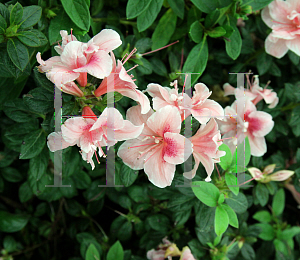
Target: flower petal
<point>159,172</point>
<point>277,49</point>
<point>57,142</point>
<point>164,120</point>
<point>107,40</point>
<point>99,65</point>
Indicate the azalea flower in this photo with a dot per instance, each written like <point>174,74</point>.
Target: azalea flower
<point>77,59</point>
<point>254,92</point>
<point>266,177</point>
<point>283,17</point>
<point>159,147</point>
<point>187,254</point>
<point>163,251</point>
<point>244,120</point>
<point>90,133</point>
<point>124,84</point>
<point>205,148</point>
<point>199,105</point>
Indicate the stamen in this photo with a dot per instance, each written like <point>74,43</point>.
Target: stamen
<point>132,69</point>
<point>124,57</point>
<point>268,83</point>
<point>96,157</point>
<point>72,34</point>
<point>159,48</point>
<point>129,55</point>
<point>251,179</point>
<point>140,145</point>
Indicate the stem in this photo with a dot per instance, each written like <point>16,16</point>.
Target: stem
<point>290,106</point>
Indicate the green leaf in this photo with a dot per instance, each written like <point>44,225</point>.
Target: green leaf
<point>238,203</point>
<point>208,6</point>
<point>234,45</point>
<point>12,222</point>
<point>294,121</point>
<point>217,32</point>
<point>267,231</point>
<point>159,222</point>
<point>16,14</point>
<point>4,12</point>
<point>262,194</point>
<point>39,100</point>
<point>138,193</point>
<point>31,15</point>
<point>221,199</point>
<point>263,63</point>
<point>221,221</point>
<point>207,193</point>
<point>164,30</point>
<point>196,32</point>
<point>225,161</point>
<point>258,4</point>
<point>42,81</point>
<point>148,16</point>
<point>278,202</point>
<point>58,23</point>
<point>10,244</point>
<point>127,175</point>
<point>32,38</point>
<point>158,67</point>
<point>135,8</point>
<point>144,67</point>
<point>79,13</point>
<point>11,174</point>
<point>294,58</point>
<point>115,252</point>
<point>196,60</point>
<point>289,233</point>
<point>92,253</point>
<point>17,111</point>
<point>18,53</point>
<point>233,220</point>
<point>248,252</point>
<point>211,19</point>
<point>38,164</point>
<point>3,24</point>
<point>204,217</point>
<point>25,192</point>
<point>177,7</point>
<point>81,179</point>
<point>33,144</point>
<point>263,216</point>
<point>232,183</point>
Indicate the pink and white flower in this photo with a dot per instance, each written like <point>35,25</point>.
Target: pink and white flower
<point>90,133</point>
<point>124,84</point>
<point>266,177</point>
<point>254,92</point>
<point>77,59</point>
<point>199,105</point>
<point>160,146</point>
<point>187,254</point>
<point>163,251</point>
<point>206,143</point>
<point>283,17</point>
<point>244,120</point>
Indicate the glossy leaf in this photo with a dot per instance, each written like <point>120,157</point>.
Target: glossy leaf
<point>206,192</point>
<point>18,53</point>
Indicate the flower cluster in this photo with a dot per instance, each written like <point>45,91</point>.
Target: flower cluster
<point>152,136</point>
<point>243,119</point>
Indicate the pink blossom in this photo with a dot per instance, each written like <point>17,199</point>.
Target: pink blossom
<point>254,92</point>
<point>90,133</point>
<point>199,105</point>
<point>266,177</point>
<point>187,254</point>
<point>124,84</point>
<point>65,40</point>
<point>160,146</point>
<point>283,17</point>
<point>163,251</point>
<point>243,118</point>
<point>205,148</point>
<point>77,59</point>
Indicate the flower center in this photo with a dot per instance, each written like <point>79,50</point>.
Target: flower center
<point>295,17</point>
